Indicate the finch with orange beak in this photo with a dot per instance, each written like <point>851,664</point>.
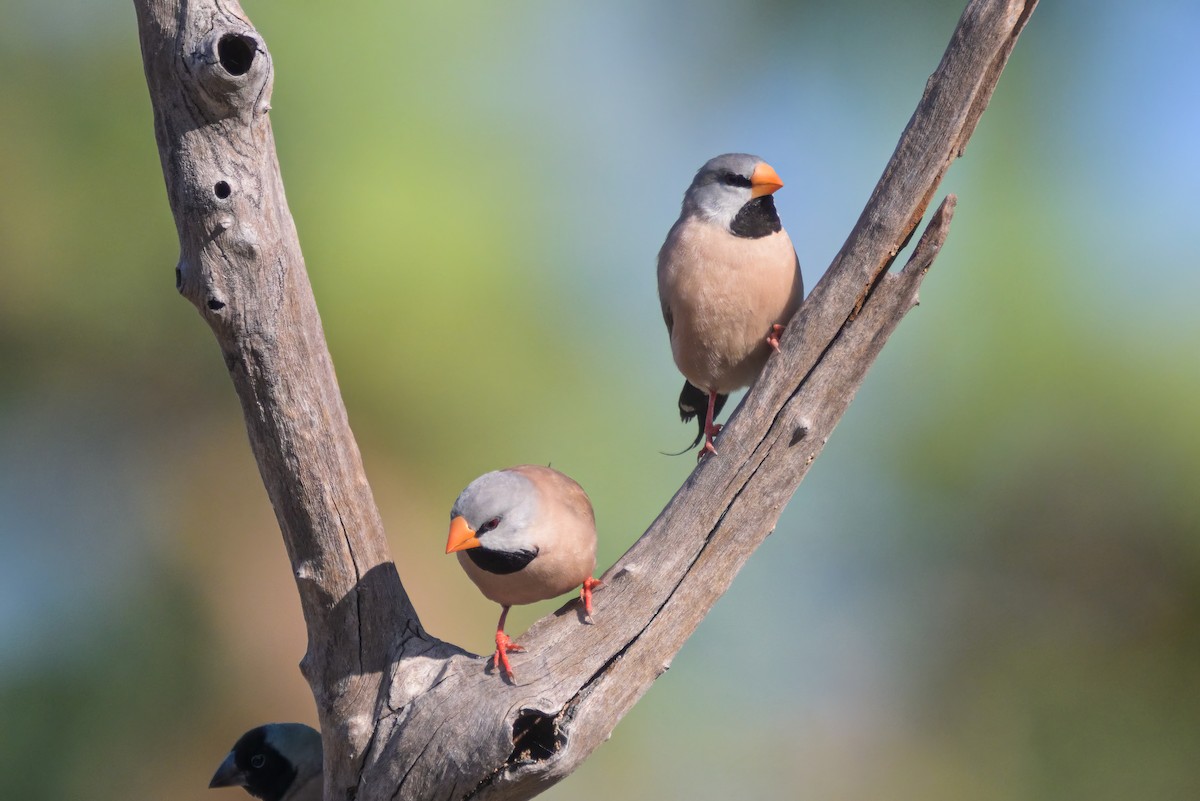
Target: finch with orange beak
<point>524,534</point>
<point>728,281</point>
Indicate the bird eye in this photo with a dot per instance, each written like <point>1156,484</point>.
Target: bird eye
<point>489,525</point>
<point>257,761</point>
<point>733,179</point>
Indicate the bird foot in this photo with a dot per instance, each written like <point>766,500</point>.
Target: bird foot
<point>585,593</point>
<point>711,427</point>
<point>773,337</point>
<point>710,431</point>
<point>504,644</point>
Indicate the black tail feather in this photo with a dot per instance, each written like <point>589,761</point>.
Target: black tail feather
<point>693,402</point>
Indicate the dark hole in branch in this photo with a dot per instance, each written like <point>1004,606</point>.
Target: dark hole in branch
<point>799,434</point>
<point>215,304</point>
<point>178,278</point>
<point>222,190</point>
<point>535,737</point>
<point>236,53</point>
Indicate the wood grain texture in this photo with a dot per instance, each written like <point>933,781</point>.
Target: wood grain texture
<point>210,78</point>
<point>404,715</point>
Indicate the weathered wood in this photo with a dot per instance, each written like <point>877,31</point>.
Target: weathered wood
<point>210,78</point>
<point>403,714</point>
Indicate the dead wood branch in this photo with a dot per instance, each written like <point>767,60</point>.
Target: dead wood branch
<point>403,714</point>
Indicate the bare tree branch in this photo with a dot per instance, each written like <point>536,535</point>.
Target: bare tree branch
<point>210,79</point>
<point>403,714</point>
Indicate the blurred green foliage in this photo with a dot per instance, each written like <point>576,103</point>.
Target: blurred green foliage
<point>988,586</point>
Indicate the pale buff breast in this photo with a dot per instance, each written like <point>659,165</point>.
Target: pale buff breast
<point>565,536</point>
<point>723,294</point>
<point>552,573</point>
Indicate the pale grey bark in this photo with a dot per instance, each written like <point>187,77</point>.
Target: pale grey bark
<point>403,714</point>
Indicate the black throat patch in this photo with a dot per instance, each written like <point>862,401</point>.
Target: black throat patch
<point>501,562</point>
<point>756,219</point>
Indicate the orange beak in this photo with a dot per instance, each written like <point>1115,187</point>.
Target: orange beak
<point>462,536</point>
<point>764,180</point>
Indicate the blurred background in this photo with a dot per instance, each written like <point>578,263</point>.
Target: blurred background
<point>988,587</point>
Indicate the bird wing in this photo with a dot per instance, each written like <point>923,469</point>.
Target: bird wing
<point>564,532</point>
<point>563,489</point>
<point>665,254</point>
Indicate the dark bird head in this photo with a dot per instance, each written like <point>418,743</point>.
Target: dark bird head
<point>272,761</point>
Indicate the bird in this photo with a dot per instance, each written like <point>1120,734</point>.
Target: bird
<point>275,762</point>
<point>729,281</point>
<point>524,534</point>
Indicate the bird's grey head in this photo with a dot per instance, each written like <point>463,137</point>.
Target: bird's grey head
<point>727,183</point>
<point>271,761</point>
<point>499,507</point>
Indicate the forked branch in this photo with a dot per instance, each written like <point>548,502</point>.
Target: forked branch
<point>403,714</point>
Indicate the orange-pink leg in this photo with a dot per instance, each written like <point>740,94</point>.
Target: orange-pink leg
<point>585,592</point>
<point>504,644</point>
<point>711,429</point>
<point>773,337</point>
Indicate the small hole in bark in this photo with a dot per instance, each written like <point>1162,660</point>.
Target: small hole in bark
<point>236,53</point>
<point>178,278</point>
<point>799,434</point>
<point>215,304</point>
<point>222,189</point>
<point>535,738</point>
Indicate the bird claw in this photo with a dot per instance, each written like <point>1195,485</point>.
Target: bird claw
<point>773,337</point>
<point>710,431</point>
<point>585,593</point>
<point>504,644</point>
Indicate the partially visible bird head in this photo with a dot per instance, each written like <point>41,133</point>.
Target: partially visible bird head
<point>271,760</point>
<point>491,520</point>
<point>727,183</point>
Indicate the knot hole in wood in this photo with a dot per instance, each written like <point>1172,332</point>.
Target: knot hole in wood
<point>236,51</point>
